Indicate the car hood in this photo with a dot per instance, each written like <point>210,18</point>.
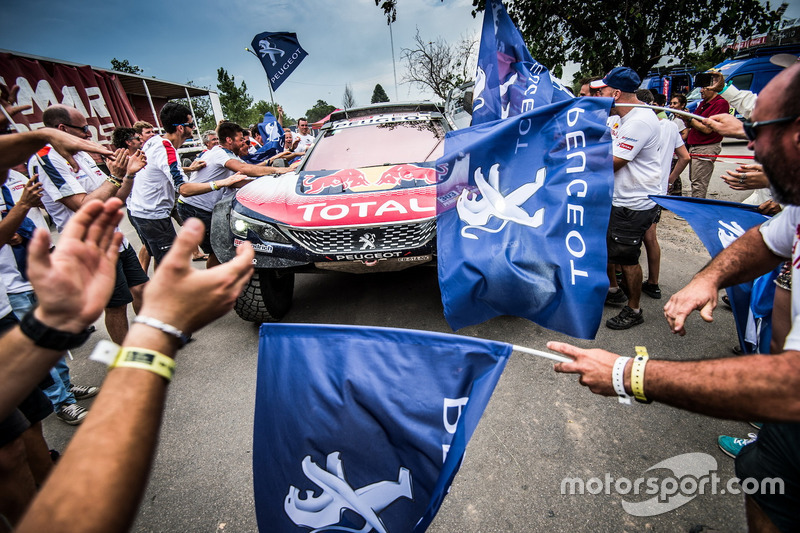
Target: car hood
<point>347,197</point>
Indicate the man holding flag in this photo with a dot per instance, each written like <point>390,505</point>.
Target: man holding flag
<point>753,387</point>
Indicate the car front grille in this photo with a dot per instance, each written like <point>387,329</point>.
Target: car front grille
<point>367,239</point>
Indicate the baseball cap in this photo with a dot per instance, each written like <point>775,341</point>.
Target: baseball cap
<point>784,60</point>
<point>622,78</point>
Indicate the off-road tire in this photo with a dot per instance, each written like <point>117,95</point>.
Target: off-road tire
<point>267,297</point>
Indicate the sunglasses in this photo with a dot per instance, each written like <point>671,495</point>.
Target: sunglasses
<point>84,129</point>
<point>186,125</point>
<point>750,127</point>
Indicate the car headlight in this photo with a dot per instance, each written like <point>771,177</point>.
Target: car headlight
<point>240,225</point>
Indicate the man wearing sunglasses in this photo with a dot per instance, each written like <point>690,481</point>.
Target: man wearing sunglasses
<point>154,193</point>
<point>65,191</point>
<point>750,387</point>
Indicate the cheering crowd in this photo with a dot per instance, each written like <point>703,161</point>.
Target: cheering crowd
<point>59,292</point>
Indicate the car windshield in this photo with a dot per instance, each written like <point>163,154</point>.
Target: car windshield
<point>389,143</point>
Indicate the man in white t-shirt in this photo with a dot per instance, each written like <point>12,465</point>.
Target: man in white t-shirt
<point>305,135</point>
<point>65,190</point>
<point>222,162</point>
<point>637,174</point>
<point>157,185</point>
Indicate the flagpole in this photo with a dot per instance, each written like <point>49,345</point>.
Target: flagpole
<point>546,355</point>
<point>269,85</point>
<point>669,109</point>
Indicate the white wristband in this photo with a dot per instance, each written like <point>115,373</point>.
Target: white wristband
<point>166,328</point>
<point>618,379</point>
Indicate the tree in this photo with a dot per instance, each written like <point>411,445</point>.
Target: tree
<point>348,100</point>
<point>320,110</point>
<point>439,66</point>
<point>125,66</point>
<point>235,100</point>
<point>379,95</point>
<point>602,34</point>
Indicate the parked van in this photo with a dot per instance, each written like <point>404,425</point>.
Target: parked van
<point>750,72</point>
<point>674,80</point>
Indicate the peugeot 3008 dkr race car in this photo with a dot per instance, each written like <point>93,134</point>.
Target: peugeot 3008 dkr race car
<point>362,200</point>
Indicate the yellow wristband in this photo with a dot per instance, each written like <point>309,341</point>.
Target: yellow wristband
<point>214,186</point>
<point>145,359</point>
<point>115,182</point>
<point>637,374</point>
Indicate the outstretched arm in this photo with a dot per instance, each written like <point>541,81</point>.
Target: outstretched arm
<point>753,387</point>
<point>73,285</point>
<point>745,259</point>
<point>109,458</point>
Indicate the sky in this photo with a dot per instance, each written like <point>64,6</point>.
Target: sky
<point>348,41</point>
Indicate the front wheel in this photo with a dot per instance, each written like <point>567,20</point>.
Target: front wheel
<point>267,297</point>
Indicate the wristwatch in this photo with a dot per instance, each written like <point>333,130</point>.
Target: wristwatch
<point>46,337</point>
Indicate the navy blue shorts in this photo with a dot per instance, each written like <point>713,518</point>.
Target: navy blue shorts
<point>156,235</point>
<point>775,454</point>
<point>129,274</point>
<point>34,408</point>
<point>189,211</point>
<point>626,229</point>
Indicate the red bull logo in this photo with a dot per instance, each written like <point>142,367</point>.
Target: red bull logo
<point>407,173</point>
<point>346,179</point>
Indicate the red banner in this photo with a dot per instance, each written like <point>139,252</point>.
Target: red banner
<point>97,95</point>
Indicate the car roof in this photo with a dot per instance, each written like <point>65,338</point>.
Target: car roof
<point>384,107</point>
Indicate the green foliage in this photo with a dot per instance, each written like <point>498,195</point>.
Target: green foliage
<point>704,60</point>
<point>602,34</point>
<point>236,102</point>
<point>320,110</point>
<point>125,66</point>
<point>261,107</point>
<point>379,95</point>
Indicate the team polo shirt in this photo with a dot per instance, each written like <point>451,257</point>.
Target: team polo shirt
<point>155,186</point>
<point>10,276</point>
<point>670,141</point>
<point>637,140</point>
<point>305,143</point>
<point>16,184</point>
<point>59,181</point>
<point>780,234</point>
<point>214,170</point>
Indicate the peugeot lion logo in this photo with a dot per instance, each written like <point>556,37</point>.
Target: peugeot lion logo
<point>265,47</point>
<point>476,213</point>
<point>323,511</point>
<point>368,240</point>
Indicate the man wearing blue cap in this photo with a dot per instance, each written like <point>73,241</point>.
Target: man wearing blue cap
<point>637,173</point>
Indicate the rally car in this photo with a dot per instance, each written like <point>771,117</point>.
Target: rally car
<point>362,200</point>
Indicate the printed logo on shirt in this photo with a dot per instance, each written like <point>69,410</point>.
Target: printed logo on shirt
<point>625,146</point>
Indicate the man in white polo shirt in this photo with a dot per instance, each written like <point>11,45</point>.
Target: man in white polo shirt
<point>637,173</point>
<point>153,196</point>
<point>222,162</point>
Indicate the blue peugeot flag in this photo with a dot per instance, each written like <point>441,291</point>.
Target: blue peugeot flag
<point>361,429</point>
<point>271,138</point>
<point>522,212</point>
<point>280,53</point>
<point>508,80</point>
<point>718,224</point>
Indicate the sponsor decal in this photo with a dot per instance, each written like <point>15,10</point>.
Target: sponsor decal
<point>257,246</point>
<point>359,257</point>
<point>369,179</point>
<point>626,146</point>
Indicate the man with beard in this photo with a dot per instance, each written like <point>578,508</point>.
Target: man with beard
<point>752,387</point>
